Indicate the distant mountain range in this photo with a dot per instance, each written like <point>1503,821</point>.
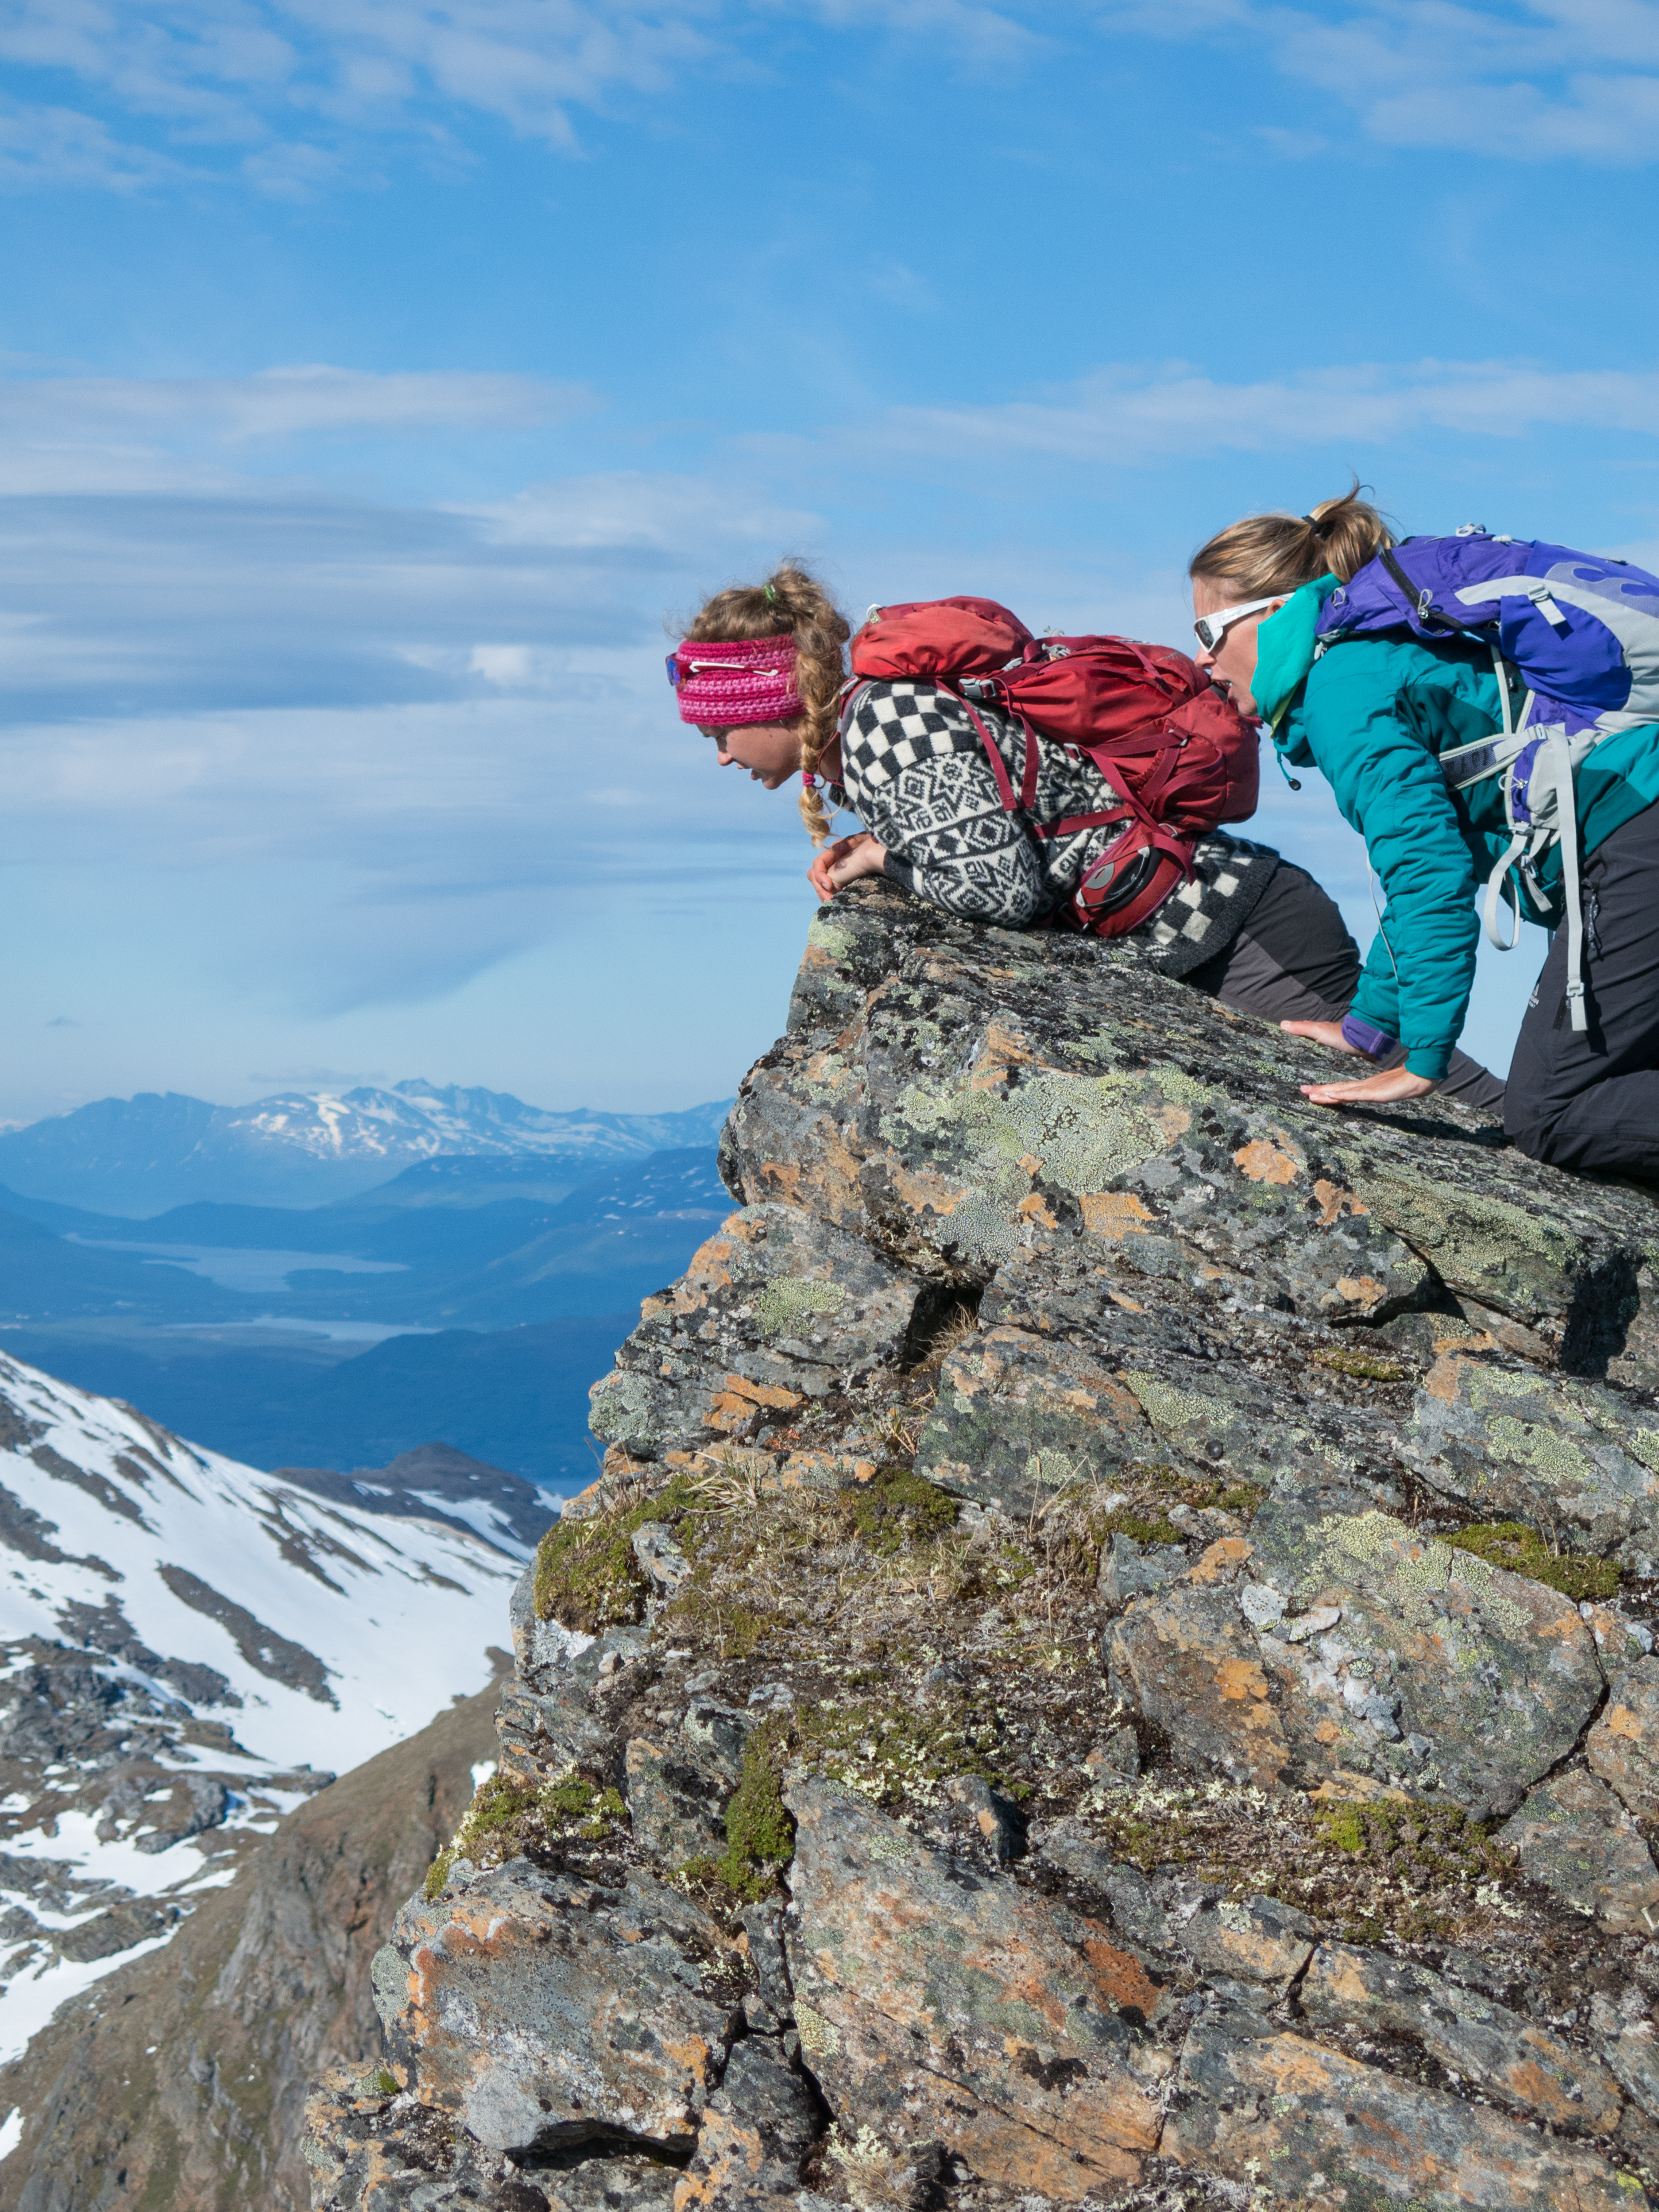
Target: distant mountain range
<point>138,1157</point>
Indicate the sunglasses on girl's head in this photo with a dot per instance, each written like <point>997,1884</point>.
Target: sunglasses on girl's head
<point>1212,628</point>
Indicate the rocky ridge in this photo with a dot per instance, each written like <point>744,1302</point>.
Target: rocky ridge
<point>182,1666</point>
<point>1110,1661</point>
<point>179,2080</point>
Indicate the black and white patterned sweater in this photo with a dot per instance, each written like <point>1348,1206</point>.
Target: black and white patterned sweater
<point>913,770</point>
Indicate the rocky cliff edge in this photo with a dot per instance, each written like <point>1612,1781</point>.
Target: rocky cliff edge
<point>1109,1663</point>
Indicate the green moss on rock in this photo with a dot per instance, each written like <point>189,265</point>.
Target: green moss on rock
<point>735,1630</point>
<point>1365,1366</point>
<point>586,1576</point>
<point>1436,1843</point>
<point>760,1835</point>
<point>892,1753</point>
<point>1511,1544</point>
<point>897,1508</point>
<point>508,1817</point>
<point>1144,1526</point>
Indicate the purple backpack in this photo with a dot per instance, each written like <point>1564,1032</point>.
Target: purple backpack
<point>1577,632</point>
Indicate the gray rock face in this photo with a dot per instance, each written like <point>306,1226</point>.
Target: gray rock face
<point>677,1791</point>
<point>761,2122</point>
<point>1623,1746</point>
<point>983,2036</point>
<point>1253,2100</point>
<point>773,1310</point>
<point>537,2012</point>
<point>1019,1417</point>
<point>1511,2058</point>
<point>1515,1446</point>
<point>1576,1838</point>
<point>1057,1754</point>
<point>1129,1570</point>
<point>1259,1939</point>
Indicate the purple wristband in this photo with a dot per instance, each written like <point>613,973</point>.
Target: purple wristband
<point>1365,1038</point>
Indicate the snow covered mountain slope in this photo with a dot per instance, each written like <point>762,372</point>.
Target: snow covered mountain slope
<point>140,1156</point>
<point>187,1650</point>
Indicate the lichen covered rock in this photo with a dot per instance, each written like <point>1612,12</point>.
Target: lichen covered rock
<point>1108,1661</point>
<point>537,2011</point>
<point>1259,2104</point>
<point>1575,1837</point>
<point>773,1309</point>
<point>996,2023</point>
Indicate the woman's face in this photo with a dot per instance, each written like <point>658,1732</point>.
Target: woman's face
<point>769,751</point>
<point>1232,663</point>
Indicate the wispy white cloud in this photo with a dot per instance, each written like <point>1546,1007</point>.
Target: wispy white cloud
<point>91,433</point>
<point>279,86</point>
<point>280,92</point>
<point>956,30</point>
<point>660,511</point>
<point>284,94</point>
<point>1547,80</point>
<point>49,145</point>
<point>1129,415</point>
<point>281,402</point>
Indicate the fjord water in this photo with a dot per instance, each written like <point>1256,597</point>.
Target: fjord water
<point>467,1297</point>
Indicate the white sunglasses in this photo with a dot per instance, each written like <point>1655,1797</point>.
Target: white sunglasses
<point>1212,628</point>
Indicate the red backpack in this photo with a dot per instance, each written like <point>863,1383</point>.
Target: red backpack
<point>1181,755</point>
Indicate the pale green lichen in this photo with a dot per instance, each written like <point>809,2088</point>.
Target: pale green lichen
<point>829,937</point>
<point>1174,1083</point>
<point>1413,1571</point>
<point>1487,1246</point>
<point>1052,1470</point>
<point>1545,1450</point>
<point>788,1300</point>
<point>818,2039</point>
<point>1087,1130</point>
<point>1485,1230</point>
<point>896,1847</point>
<point>1173,1410</point>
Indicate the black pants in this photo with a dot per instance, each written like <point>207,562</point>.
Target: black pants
<point>1294,960</point>
<point>1590,1098</point>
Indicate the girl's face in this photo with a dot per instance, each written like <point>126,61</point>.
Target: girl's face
<point>1232,662</point>
<point>769,751</point>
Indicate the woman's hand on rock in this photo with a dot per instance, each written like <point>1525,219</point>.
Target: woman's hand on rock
<point>1392,1083</point>
<point>1329,1033</point>
<point>1389,1083</point>
<point>849,858</point>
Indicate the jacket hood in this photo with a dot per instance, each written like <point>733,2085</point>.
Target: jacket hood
<point>1285,647</point>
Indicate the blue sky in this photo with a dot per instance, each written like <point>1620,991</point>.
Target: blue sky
<point>378,380</point>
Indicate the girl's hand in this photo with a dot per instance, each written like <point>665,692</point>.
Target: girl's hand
<point>1329,1033</point>
<point>1394,1083</point>
<point>1391,1083</point>
<point>844,862</point>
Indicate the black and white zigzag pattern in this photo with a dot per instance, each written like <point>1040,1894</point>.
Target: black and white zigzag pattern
<point>914,771</point>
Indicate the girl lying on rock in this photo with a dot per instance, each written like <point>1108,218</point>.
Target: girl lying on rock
<point>1480,706</point>
<point>954,810</point>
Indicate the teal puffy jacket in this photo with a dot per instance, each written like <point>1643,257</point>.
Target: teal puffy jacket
<point>1373,715</point>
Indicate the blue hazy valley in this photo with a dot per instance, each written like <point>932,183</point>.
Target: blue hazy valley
<point>467,1297</point>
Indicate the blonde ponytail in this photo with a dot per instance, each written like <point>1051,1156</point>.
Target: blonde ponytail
<point>1267,554</point>
<point>791,602</point>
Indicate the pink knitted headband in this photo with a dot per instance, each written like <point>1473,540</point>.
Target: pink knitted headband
<point>725,683</point>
